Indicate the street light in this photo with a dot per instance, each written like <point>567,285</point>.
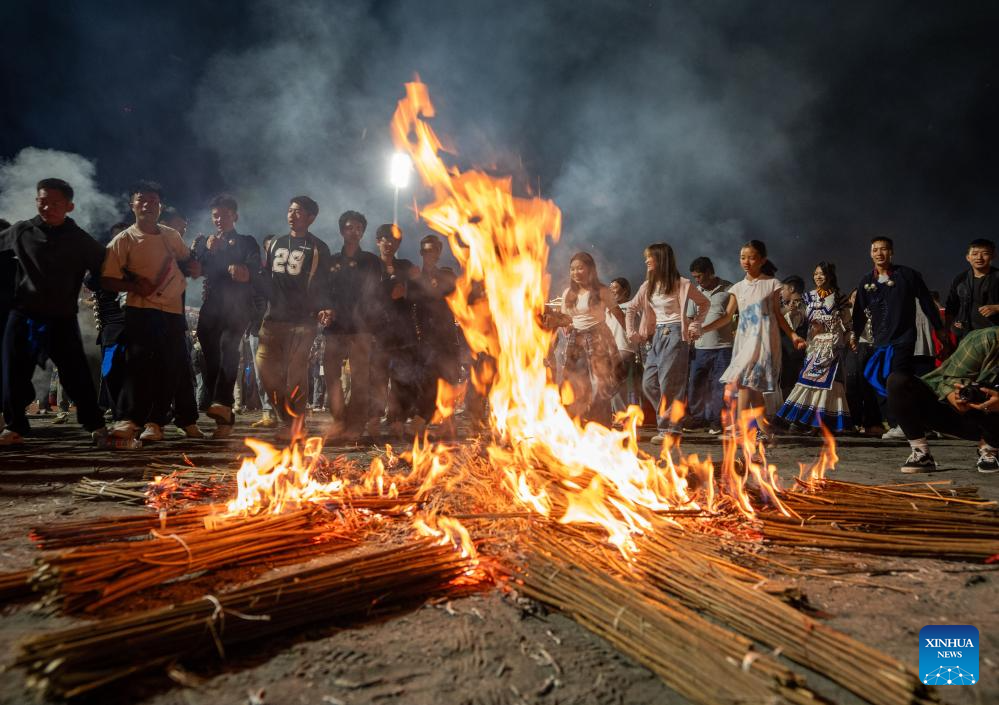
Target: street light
<point>400,168</point>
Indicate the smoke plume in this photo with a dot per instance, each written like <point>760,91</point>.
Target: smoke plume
<point>94,210</point>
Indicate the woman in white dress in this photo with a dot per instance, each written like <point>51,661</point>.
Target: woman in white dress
<point>819,397</point>
<point>755,367</point>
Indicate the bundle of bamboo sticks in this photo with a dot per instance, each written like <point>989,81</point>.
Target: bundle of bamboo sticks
<point>73,661</point>
<point>700,660</point>
<point>676,571</point>
<point>916,520</point>
<point>89,578</point>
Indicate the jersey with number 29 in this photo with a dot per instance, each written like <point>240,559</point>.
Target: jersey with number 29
<point>298,267</point>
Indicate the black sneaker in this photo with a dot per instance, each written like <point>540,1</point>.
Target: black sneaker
<point>987,461</point>
<point>919,461</point>
<point>715,428</point>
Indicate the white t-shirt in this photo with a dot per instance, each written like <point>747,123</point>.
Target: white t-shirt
<point>667,308</point>
<point>618,331</point>
<point>153,257</point>
<point>583,315</point>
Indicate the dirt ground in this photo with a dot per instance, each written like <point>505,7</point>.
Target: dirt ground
<point>489,648</point>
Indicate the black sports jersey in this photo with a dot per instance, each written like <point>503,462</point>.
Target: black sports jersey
<point>298,268</point>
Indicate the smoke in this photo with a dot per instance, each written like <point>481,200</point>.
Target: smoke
<point>698,124</point>
<point>94,210</point>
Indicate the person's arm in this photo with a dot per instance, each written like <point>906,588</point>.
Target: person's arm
<point>953,304</point>
<point>731,308</point>
<point>632,309</point>
<point>113,275</point>
<point>611,303</point>
<point>785,326</point>
<point>94,254</point>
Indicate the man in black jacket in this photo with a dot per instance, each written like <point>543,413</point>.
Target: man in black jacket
<point>355,284</point>
<point>973,301</point>
<point>890,293</point>
<point>230,263</point>
<point>53,255</point>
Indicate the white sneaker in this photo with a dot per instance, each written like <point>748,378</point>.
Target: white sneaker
<point>124,429</point>
<point>10,438</point>
<point>152,432</point>
<point>192,431</point>
<point>895,433</point>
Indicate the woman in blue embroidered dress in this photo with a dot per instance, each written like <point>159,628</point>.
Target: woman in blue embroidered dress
<point>819,396</point>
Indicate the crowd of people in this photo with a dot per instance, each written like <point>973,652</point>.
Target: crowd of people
<point>290,325</point>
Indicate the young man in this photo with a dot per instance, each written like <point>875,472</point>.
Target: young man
<point>150,262</point>
<point>296,267</point>
<point>230,263</point>
<point>355,279</point>
<point>890,293</point>
<point>439,342</point>
<point>934,402</point>
<point>395,341</point>
<point>185,402</point>
<point>712,351</point>
<point>973,300</point>
<point>53,255</point>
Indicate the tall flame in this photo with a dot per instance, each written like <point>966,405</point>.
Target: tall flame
<point>501,242</point>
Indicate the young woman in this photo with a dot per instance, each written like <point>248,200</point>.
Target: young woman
<point>590,357</point>
<point>662,303</point>
<point>755,367</point>
<point>819,397</point>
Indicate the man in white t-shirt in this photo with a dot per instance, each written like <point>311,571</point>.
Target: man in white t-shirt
<point>712,352</point>
<point>150,262</point>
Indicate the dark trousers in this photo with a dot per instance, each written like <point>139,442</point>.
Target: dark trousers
<point>220,339</point>
<point>395,382</point>
<point>918,410</point>
<point>438,363</point>
<point>860,395</point>
<point>705,392</point>
<point>61,342</point>
<point>154,358</point>
<point>185,404</point>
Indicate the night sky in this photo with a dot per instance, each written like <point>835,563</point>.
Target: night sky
<point>811,126</point>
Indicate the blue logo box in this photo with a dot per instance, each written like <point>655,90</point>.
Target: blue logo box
<point>948,654</point>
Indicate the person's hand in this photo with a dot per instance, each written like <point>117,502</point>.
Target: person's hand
<point>398,291</point>
<point>326,317</point>
<point>852,342</point>
<point>959,325</point>
<point>239,273</point>
<point>213,242</point>
<point>193,268</point>
<point>957,402</point>
<point>988,310</point>
<point>143,287</point>
<point>991,403</point>
<point>694,331</point>
<point>799,342</point>
<point>636,338</point>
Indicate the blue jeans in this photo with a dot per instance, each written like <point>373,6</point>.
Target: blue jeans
<point>665,377</point>
<point>705,393</point>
